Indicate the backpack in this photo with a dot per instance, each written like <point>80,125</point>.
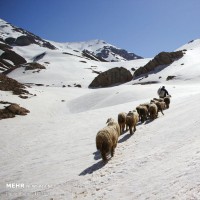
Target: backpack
<point>160,92</point>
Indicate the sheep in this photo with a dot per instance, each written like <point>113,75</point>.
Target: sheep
<point>143,112</point>
<point>145,104</point>
<point>122,121</point>
<point>160,104</point>
<point>132,119</point>
<point>160,99</point>
<point>167,101</point>
<point>153,111</point>
<point>107,138</point>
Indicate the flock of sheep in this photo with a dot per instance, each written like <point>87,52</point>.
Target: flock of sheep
<point>107,138</point>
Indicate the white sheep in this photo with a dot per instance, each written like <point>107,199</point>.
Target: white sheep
<point>107,138</point>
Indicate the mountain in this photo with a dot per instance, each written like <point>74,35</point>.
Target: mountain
<point>50,153</point>
<point>101,49</point>
<point>12,36</point>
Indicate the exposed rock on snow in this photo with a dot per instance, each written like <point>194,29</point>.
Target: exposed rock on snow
<point>163,58</point>
<point>14,57</point>
<point>9,58</point>
<point>107,50</point>
<point>170,78</point>
<point>33,66</point>
<point>26,39</point>
<point>112,76</point>
<point>89,55</point>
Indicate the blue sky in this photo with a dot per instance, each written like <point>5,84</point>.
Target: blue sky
<point>144,27</point>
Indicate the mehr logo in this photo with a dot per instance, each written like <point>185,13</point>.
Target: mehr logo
<point>15,185</point>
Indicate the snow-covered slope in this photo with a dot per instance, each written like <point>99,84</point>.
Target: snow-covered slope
<point>51,152</point>
<point>186,68</point>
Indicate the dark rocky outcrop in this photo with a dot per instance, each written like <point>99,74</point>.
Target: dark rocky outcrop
<point>116,52</point>
<point>10,41</point>
<point>25,39</point>
<point>8,54</point>
<point>117,75</point>
<point>170,78</point>
<point>5,65</point>
<point>3,46</point>
<point>12,56</point>
<point>29,38</point>
<point>162,59</point>
<point>91,56</point>
<point>33,66</point>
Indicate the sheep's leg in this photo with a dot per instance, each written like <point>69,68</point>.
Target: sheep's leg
<point>161,111</point>
<point>123,126</point>
<point>112,151</point>
<point>134,128</point>
<point>142,119</point>
<point>103,154</point>
<point>131,131</point>
<point>120,128</point>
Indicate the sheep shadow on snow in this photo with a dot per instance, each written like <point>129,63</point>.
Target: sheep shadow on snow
<point>97,155</point>
<point>123,139</point>
<point>93,168</point>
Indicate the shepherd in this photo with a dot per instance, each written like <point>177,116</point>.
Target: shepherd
<point>162,92</point>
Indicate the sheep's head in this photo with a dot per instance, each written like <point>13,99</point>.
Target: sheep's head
<point>110,121</point>
<point>152,101</point>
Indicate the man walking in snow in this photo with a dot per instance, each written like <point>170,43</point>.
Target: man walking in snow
<point>162,92</point>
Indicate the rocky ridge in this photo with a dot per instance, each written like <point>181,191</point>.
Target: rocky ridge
<point>162,59</point>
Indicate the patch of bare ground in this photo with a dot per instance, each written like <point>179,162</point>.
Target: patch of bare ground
<point>9,84</point>
<point>11,110</point>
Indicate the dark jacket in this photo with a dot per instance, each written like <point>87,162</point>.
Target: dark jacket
<point>165,92</point>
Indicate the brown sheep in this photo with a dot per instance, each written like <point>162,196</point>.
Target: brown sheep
<point>153,111</point>
<point>132,119</point>
<point>160,99</point>
<point>167,101</point>
<point>122,121</point>
<point>107,138</point>
<point>160,104</point>
<point>143,112</point>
